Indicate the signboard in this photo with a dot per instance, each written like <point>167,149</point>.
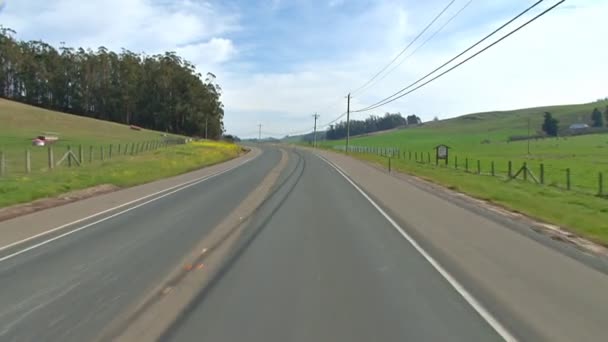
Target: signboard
<point>442,152</point>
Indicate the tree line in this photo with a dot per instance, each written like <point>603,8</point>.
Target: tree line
<point>370,125</point>
<point>161,92</point>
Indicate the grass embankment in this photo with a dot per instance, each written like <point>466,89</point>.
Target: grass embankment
<point>484,137</point>
<point>20,123</point>
<point>124,172</point>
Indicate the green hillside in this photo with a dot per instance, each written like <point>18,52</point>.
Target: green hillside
<point>20,123</point>
<point>484,138</point>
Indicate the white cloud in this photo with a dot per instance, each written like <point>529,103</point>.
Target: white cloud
<point>140,25</point>
<point>209,54</point>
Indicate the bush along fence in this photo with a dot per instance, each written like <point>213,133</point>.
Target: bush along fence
<point>51,157</point>
<point>534,173</point>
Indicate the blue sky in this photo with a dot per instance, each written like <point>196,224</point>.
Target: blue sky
<point>279,61</point>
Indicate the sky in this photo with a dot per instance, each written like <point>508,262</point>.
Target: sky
<point>280,61</point>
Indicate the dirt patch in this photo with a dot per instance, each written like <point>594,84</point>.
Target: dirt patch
<point>13,211</point>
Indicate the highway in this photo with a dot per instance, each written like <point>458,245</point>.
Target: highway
<point>338,251</point>
<point>327,266</point>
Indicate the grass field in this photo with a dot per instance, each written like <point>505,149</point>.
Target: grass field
<point>484,137</point>
<point>124,172</point>
<point>20,123</point>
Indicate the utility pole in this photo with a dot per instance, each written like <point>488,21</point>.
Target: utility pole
<point>347,121</point>
<point>206,121</point>
<point>260,133</point>
<point>314,144</point>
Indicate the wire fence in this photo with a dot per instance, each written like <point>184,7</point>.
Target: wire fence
<point>35,160</point>
<point>538,173</point>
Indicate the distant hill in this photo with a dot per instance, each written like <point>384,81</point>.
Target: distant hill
<point>492,126</point>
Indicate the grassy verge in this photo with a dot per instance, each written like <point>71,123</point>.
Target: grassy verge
<point>580,213</point>
<point>123,172</point>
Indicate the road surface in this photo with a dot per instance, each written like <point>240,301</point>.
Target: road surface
<point>327,266</point>
<point>321,260</point>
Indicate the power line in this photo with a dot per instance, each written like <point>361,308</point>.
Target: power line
<point>397,95</point>
<point>423,43</point>
<point>405,49</point>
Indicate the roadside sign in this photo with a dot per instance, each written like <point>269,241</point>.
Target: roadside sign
<point>442,152</point>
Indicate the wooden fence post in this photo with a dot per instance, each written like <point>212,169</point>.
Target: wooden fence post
<point>51,158</point>
<point>69,156</point>
<point>2,164</point>
<point>118,149</point>
<point>389,164</point>
<point>90,153</point>
<point>510,170</point>
<point>410,155</point>
<point>428,157</point>
<point>568,178</point>
<point>101,152</point>
<point>542,173</point>
<point>416,156</point>
<point>110,152</point>
<point>28,161</point>
<point>492,169</point>
<point>80,155</point>
<point>601,184</point>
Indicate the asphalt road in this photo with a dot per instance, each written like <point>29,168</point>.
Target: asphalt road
<point>319,261</point>
<point>71,288</point>
<point>325,265</point>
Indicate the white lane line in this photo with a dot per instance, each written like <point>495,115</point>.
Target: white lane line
<point>477,306</point>
<point>176,188</point>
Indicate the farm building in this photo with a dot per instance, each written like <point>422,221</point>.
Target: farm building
<point>578,127</point>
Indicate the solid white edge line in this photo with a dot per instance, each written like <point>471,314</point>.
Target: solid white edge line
<point>175,189</point>
<point>477,306</point>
